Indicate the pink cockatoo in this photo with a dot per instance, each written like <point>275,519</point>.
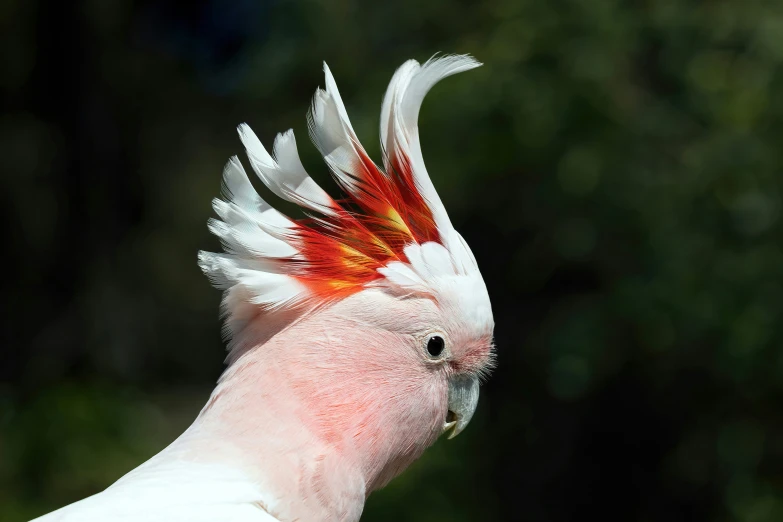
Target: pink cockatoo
<point>357,335</point>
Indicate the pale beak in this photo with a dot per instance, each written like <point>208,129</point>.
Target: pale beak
<point>463,397</point>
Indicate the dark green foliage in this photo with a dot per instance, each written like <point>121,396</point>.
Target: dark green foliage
<point>616,166</point>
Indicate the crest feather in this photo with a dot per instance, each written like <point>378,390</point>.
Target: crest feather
<point>391,229</point>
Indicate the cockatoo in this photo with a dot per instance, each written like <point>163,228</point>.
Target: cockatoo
<point>357,335</point>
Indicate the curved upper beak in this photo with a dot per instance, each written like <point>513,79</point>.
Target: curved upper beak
<point>463,397</point>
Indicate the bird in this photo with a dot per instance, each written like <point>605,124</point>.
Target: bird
<point>357,334</point>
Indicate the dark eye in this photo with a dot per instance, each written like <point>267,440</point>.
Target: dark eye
<point>435,345</point>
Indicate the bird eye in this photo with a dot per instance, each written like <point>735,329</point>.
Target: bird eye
<point>435,345</point>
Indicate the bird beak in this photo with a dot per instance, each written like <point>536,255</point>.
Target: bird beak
<point>463,397</point>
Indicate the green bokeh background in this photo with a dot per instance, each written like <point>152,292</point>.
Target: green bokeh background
<point>615,165</point>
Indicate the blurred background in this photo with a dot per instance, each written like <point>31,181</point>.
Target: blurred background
<point>615,166</point>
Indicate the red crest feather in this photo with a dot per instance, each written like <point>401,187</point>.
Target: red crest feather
<point>342,246</point>
<point>339,254</point>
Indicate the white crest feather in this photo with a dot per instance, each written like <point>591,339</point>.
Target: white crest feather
<point>331,131</point>
<point>261,278</point>
<point>261,243</point>
<point>400,127</point>
<point>402,275</point>
<point>284,174</point>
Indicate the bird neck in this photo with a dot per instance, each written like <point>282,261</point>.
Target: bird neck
<point>316,418</point>
<point>256,424</point>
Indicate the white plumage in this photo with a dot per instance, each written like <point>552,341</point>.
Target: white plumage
<point>171,491</point>
<point>284,174</point>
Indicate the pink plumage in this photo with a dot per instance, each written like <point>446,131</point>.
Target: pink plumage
<point>358,335</point>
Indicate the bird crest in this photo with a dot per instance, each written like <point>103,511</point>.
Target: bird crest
<point>390,230</point>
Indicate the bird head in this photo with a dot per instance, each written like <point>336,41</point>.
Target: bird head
<point>372,309</point>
